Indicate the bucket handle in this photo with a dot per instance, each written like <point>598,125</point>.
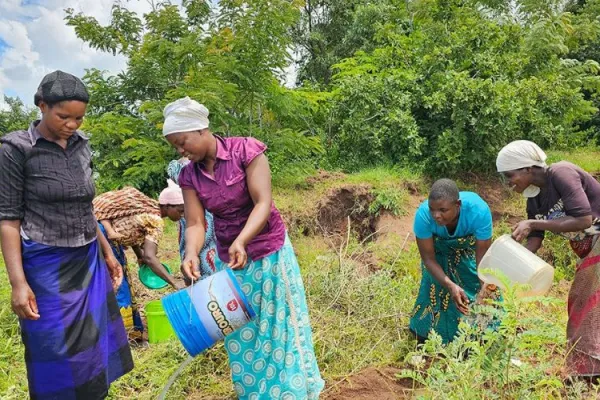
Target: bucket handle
<point>192,296</point>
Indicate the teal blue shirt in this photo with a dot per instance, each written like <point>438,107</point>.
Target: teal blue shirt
<point>475,219</point>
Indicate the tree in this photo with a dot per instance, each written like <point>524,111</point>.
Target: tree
<point>462,83</point>
<point>331,30</point>
<point>230,58</point>
<point>17,117</point>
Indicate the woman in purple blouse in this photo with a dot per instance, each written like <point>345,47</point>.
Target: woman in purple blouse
<point>273,356</point>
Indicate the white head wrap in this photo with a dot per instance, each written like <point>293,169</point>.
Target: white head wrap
<point>184,115</point>
<point>521,154</point>
<point>172,195</point>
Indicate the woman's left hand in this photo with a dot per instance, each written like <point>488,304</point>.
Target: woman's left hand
<point>521,230</point>
<point>237,255</point>
<point>115,271</point>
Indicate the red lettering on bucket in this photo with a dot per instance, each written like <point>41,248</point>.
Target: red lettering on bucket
<point>232,305</point>
<point>219,317</point>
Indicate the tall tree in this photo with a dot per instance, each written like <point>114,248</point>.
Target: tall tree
<point>231,58</point>
<point>331,30</point>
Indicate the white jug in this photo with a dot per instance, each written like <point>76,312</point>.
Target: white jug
<point>518,264</point>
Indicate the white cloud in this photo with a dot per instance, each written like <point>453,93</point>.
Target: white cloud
<point>38,42</point>
<point>10,7</point>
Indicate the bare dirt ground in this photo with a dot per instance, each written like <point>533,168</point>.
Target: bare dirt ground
<point>372,383</point>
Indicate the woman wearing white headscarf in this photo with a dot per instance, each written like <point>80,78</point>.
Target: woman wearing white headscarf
<point>273,356</point>
<point>563,199</point>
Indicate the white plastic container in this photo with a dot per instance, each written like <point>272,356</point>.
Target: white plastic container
<point>518,264</point>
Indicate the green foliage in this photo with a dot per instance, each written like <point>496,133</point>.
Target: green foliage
<point>142,154</point>
<point>16,117</point>
<point>389,199</point>
<point>445,84</point>
<point>512,361</point>
<point>374,123</point>
<point>332,30</point>
<point>558,253</point>
<point>121,36</point>
<point>229,58</point>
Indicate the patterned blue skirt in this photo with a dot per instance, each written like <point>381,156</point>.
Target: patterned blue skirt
<point>78,346</point>
<point>273,357</point>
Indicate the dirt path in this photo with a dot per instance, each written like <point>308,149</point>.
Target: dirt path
<point>393,230</point>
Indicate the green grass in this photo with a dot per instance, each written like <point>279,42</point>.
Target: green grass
<point>13,383</point>
<point>587,158</point>
<point>359,318</point>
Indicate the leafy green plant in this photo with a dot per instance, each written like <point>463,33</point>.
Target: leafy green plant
<point>390,199</point>
<point>17,116</point>
<point>508,361</point>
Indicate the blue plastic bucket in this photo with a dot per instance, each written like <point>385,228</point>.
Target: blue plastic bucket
<point>203,314</point>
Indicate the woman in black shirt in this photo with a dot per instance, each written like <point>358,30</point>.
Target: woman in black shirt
<point>75,341</point>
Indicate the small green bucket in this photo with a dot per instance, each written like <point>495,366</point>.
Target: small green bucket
<point>159,327</point>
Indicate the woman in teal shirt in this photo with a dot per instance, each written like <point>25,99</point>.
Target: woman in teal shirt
<point>453,231</point>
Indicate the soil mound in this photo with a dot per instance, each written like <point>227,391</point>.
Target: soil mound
<point>350,202</point>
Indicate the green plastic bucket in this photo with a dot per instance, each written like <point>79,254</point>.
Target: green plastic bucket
<point>159,327</point>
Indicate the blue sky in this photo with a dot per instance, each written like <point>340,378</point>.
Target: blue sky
<point>34,41</point>
<point>3,46</point>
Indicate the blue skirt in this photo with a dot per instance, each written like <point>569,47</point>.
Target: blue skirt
<point>78,346</point>
<point>125,294</point>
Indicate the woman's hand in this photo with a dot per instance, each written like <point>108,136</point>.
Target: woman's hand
<point>115,270</point>
<point>23,302</point>
<point>521,230</point>
<point>179,285</point>
<point>460,298</point>
<point>237,255</point>
<point>190,267</point>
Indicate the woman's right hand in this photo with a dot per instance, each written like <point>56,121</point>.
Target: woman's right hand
<point>521,230</point>
<point>23,302</point>
<point>190,267</point>
<point>460,298</point>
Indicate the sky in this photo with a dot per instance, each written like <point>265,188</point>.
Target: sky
<point>34,40</point>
